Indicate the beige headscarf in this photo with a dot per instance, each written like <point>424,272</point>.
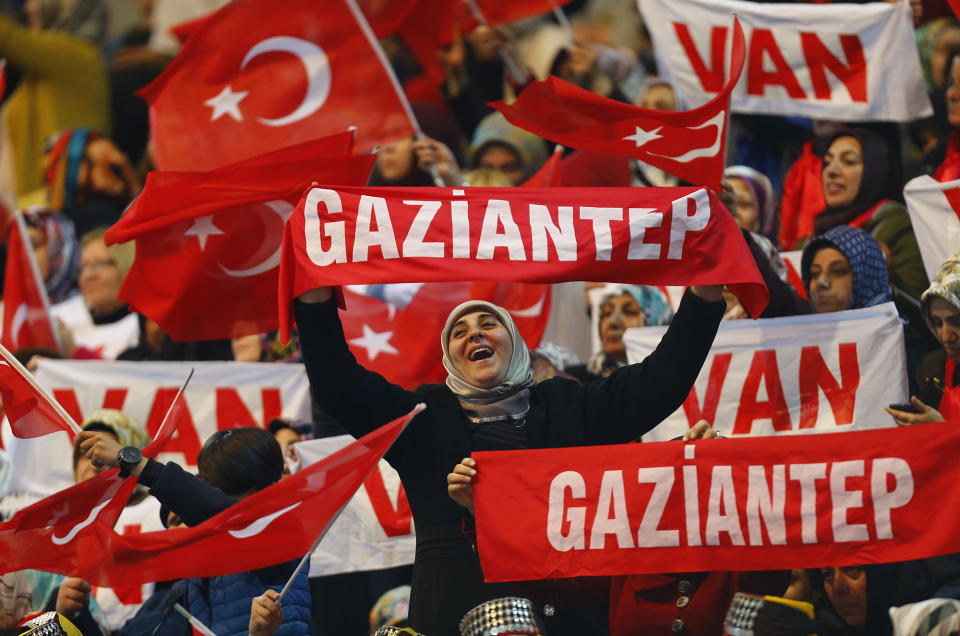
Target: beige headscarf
<point>127,429</point>
<point>946,285</point>
<point>510,398</point>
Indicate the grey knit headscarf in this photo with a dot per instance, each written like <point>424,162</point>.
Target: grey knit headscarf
<point>510,398</point>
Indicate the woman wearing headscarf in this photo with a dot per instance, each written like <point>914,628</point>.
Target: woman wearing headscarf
<point>844,269</point>
<point>937,377</point>
<point>64,82</point>
<point>499,145</point>
<point>620,308</point>
<point>57,250</point>
<point>861,179</point>
<point>489,402</point>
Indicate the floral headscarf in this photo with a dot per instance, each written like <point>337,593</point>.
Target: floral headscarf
<point>62,250</point>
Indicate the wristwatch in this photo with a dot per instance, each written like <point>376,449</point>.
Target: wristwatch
<point>128,458</point>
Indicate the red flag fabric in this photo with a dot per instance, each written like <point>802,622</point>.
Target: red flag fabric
<point>718,505</point>
<point>26,322</point>
<point>49,534</point>
<point>252,79</point>
<point>652,236</point>
<point>551,174</point>
<point>274,525</point>
<point>31,411</point>
<point>688,144</point>
<point>401,343</point>
<point>208,244</point>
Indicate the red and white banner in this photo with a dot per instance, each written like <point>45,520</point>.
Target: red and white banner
<point>720,504</point>
<point>844,61</point>
<point>374,531</point>
<point>659,236</point>
<point>816,373</point>
<point>934,209</point>
<point>220,395</point>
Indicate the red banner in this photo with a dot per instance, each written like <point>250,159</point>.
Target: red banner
<point>654,236</point>
<point>722,504</point>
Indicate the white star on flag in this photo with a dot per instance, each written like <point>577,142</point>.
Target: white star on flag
<point>641,136</point>
<point>226,103</point>
<point>202,228</point>
<point>375,343</point>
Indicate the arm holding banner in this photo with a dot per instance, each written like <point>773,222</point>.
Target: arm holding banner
<point>637,397</point>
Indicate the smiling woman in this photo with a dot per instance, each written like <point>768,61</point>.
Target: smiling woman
<point>490,402</point>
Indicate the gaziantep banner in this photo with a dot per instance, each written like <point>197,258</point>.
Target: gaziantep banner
<point>934,209</point>
<point>837,61</point>
<point>817,373</point>
<point>758,503</point>
<point>220,395</point>
<point>659,236</point>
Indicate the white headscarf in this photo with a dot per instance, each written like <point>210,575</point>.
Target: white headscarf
<point>510,398</point>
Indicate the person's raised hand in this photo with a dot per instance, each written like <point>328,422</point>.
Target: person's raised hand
<point>73,597</point>
<point>700,430</point>
<point>429,152</point>
<point>460,482</point>
<point>926,414</point>
<point>99,447</point>
<point>265,614</point>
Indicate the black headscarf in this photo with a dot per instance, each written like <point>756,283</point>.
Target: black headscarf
<point>881,179</point>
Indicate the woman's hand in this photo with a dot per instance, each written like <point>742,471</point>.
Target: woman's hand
<point>432,152</point>
<point>73,597</point>
<point>700,430</point>
<point>460,483</point>
<point>926,414</point>
<point>265,614</point>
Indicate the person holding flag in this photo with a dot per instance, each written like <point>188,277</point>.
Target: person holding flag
<point>490,402</point>
<point>233,464</point>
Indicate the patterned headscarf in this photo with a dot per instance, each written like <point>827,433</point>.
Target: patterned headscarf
<point>946,285</point>
<point>656,311</point>
<point>62,250</point>
<point>508,399</point>
<point>62,158</point>
<point>763,198</point>
<point>871,282</point>
<point>933,617</point>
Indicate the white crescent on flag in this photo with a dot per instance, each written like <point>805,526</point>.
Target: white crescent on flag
<point>315,63</point>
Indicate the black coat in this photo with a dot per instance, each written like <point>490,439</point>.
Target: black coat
<point>447,580</point>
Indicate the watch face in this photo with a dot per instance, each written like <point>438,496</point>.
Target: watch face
<point>130,455</point>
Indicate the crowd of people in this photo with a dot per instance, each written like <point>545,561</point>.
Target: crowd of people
<point>75,152</point>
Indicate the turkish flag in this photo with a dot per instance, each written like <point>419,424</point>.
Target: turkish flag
<point>688,144</point>
<point>402,344</point>
<point>551,174</point>
<point>257,76</point>
<point>30,410</point>
<point>208,244</point>
<point>49,534</point>
<point>274,525</point>
<point>26,321</point>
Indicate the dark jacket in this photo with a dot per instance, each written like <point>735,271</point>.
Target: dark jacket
<point>447,580</point>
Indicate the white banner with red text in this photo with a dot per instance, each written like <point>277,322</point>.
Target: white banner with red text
<point>220,395</point>
<point>753,503</point>
<point>934,209</point>
<point>654,236</point>
<point>816,373</point>
<point>375,529</point>
<point>845,62</point>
